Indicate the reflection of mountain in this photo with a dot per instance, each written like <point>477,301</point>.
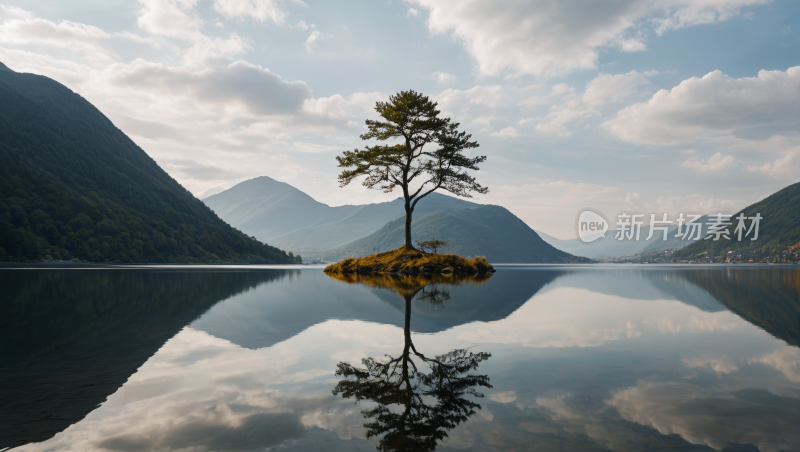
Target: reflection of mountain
<point>73,337</point>
<point>265,317</point>
<point>640,284</point>
<point>766,297</point>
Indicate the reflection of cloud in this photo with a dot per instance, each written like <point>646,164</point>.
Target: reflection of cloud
<point>257,430</point>
<point>748,416</point>
<point>551,320</point>
<point>504,397</point>
<point>346,422</point>
<point>559,407</point>
<point>201,393</point>
<point>786,360</point>
<point>723,365</point>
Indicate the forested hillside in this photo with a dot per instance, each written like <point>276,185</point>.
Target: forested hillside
<point>778,232</point>
<point>73,186</point>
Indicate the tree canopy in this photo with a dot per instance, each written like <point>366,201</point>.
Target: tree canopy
<point>424,153</point>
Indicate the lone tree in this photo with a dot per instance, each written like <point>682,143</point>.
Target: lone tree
<point>412,122</point>
<point>433,245</point>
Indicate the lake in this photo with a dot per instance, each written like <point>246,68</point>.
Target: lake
<point>552,358</point>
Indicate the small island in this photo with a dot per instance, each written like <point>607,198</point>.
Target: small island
<point>411,262</point>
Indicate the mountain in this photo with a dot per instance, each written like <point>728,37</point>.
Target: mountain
<point>280,214</point>
<point>779,229</point>
<point>567,246</point>
<point>486,230</point>
<point>211,192</point>
<point>72,185</point>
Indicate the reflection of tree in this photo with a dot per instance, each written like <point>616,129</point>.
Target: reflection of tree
<point>415,408</point>
<point>435,296</point>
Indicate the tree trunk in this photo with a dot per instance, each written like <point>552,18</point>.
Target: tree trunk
<point>409,211</point>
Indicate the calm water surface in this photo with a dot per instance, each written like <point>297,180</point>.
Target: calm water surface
<point>622,358</point>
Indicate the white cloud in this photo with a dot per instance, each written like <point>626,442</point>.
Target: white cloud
<point>237,85</point>
<point>443,77</point>
<point>39,30</point>
<point>18,26</point>
<point>701,12</point>
<point>550,38</point>
<point>13,12</point>
<point>714,106</point>
<point>698,203</point>
<point>170,18</point>
<point>214,51</point>
<point>260,10</point>
<point>358,107</point>
<point>558,92</point>
<point>609,89</point>
<point>631,198</point>
<point>601,92</point>
<point>412,12</point>
<point>715,163</point>
<point>786,167</point>
<point>311,42</point>
<point>508,132</point>
<point>474,106</point>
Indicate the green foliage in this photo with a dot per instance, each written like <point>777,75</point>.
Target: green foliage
<point>433,245</point>
<point>73,186</point>
<point>778,230</point>
<point>412,122</point>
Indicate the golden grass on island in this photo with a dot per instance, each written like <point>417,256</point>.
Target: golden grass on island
<point>406,261</point>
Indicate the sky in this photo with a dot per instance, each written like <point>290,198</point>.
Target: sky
<point>624,105</point>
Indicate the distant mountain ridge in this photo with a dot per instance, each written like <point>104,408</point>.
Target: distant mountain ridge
<point>281,214</point>
<point>278,213</point>
<point>610,247</point>
<point>72,185</point>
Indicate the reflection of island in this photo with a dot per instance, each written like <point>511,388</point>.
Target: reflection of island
<point>266,316</point>
<point>73,337</point>
<point>415,409</point>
